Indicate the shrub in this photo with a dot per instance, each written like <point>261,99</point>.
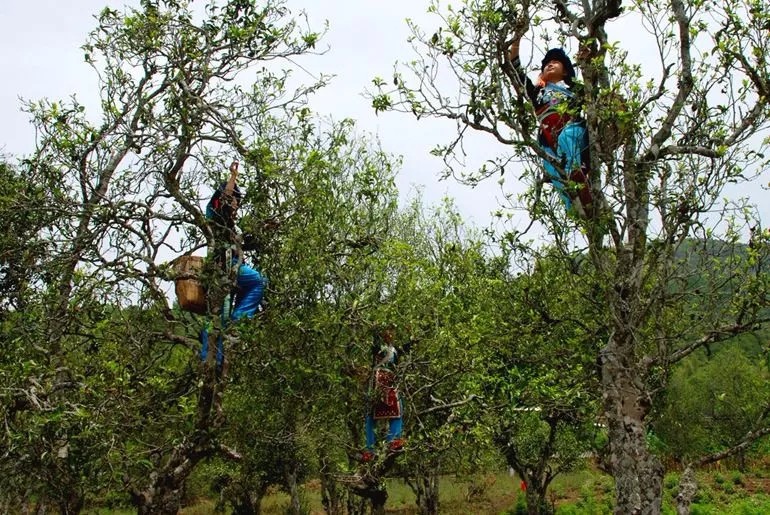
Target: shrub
<point>703,509</point>
<point>671,481</point>
<point>605,484</point>
<point>754,506</point>
<point>558,490</point>
<point>520,508</point>
<point>704,495</point>
<point>588,503</point>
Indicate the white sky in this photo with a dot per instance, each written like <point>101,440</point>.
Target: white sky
<point>41,57</point>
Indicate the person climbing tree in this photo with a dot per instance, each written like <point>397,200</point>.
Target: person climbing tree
<point>384,400</point>
<point>227,251</point>
<point>562,133</point>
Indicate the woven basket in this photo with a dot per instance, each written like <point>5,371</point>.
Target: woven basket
<point>190,292</point>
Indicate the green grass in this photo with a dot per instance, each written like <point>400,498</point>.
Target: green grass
<point>497,492</point>
<point>584,492</point>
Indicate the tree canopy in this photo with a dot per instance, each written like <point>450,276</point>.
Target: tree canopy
<point>533,346</point>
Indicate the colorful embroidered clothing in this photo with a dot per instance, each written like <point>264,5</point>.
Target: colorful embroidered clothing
<point>250,283</point>
<point>384,399</point>
<point>562,134</point>
<point>386,403</point>
<point>552,113</point>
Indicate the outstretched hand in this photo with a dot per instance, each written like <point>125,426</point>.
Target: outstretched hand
<point>521,20</point>
<point>519,23</point>
<point>228,196</point>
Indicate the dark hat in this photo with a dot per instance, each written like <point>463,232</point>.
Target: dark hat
<point>557,54</point>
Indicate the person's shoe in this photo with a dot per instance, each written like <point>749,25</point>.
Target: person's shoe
<point>396,444</point>
<point>367,456</point>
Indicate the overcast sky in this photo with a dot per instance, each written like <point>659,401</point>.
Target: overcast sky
<point>41,57</point>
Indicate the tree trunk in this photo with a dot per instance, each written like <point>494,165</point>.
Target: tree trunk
<point>163,494</point>
<point>30,508</point>
<point>290,476</point>
<point>688,487</point>
<point>371,487</point>
<point>536,502</point>
<point>357,505</point>
<point>427,491</point>
<point>248,502</point>
<point>72,504</point>
<point>638,473</point>
<point>332,494</point>
<point>159,498</point>
<point>378,501</point>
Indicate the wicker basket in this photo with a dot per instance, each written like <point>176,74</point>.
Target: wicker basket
<point>190,292</point>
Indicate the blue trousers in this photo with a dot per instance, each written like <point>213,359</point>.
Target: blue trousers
<point>395,428</point>
<point>572,141</point>
<point>250,290</point>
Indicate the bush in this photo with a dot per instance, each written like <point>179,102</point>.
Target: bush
<point>520,508</point>
<point>671,481</point>
<point>704,495</point>
<point>588,503</point>
<point>755,506</point>
<point>557,490</point>
<point>605,484</point>
<point>737,478</point>
<point>703,509</point>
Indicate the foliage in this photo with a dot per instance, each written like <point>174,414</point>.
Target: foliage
<point>110,401</point>
<point>712,403</point>
<point>693,126</point>
<point>506,342</point>
<point>332,205</point>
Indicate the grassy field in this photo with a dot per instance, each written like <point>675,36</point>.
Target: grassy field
<point>582,492</point>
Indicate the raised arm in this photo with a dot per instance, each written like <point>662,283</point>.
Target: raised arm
<point>230,186</point>
<point>227,194</point>
<point>520,27</point>
<point>513,50</point>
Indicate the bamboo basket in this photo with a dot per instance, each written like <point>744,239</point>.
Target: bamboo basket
<point>190,293</point>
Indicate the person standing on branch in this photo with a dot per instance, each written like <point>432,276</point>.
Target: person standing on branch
<point>384,400</point>
<point>562,132</point>
<point>246,297</point>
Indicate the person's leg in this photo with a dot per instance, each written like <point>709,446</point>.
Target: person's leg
<point>573,142</point>
<point>251,288</point>
<point>371,436</point>
<point>395,427</point>
<point>204,338</point>
<point>220,351</point>
<point>556,178</point>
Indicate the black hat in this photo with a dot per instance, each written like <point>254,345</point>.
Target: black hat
<point>557,54</point>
